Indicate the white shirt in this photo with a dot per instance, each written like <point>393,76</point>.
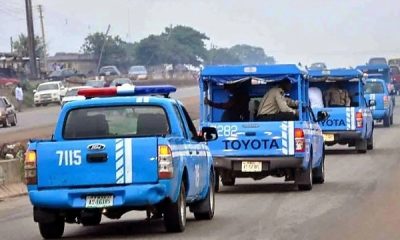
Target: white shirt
<point>315,96</point>
<point>19,95</point>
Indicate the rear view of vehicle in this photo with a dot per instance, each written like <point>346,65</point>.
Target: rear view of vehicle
<point>395,76</point>
<point>256,149</point>
<point>376,90</point>
<point>138,73</point>
<point>350,121</point>
<point>120,152</point>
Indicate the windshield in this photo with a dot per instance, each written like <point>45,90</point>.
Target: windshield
<point>374,88</point>
<point>113,122</point>
<point>107,69</point>
<point>2,104</point>
<point>72,92</point>
<point>95,83</point>
<point>377,61</point>
<point>45,87</point>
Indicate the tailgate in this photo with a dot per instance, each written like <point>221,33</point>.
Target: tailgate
<point>97,162</point>
<point>253,139</point>
<point>340,118</point>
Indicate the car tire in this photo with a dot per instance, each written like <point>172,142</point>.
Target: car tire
<point>362,146</point>
<point>391,119</point>
<point>370,142</point>
<point>319,172</point>
<point>5,122</point>
<point>206,207</point>
<point>175,212</point>
<point>14,122</point>
<point>52,230</point>
<point>92,220</point>
<point>304,178</point>
<point>216,181</point>
<point>386,121</point>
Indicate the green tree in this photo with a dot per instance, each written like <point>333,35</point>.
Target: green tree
<point>251,55</point>
<point>116,51</point>
<point>221,56</point>
<point>177,45</point>
<point>20,46</point>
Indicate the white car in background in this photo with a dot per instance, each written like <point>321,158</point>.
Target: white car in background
<point>49,92</point>
<point>138,73</point>
<point>72,94</point>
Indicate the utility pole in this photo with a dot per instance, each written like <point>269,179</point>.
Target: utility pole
<point>11,45</point>
<point>40,8</point>
<point>102,48</point>
<point>31,39</point>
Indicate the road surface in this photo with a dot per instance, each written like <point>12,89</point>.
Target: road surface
<point>360,200</point>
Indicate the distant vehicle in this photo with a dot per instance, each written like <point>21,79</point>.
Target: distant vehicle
<point>376,90</point>
<point>96,83</point>
<point>64,74</point>
<point>49,92</point>
<point>395,76</point>
<point>72,95</point>
<point>109,71</point>
<point>8,115</point>
<point>138,72</point>
<point>394,61</point>
<point>377,61</point>
<point>318,66</point>
<point>8,76</point>
<point>120,81</point>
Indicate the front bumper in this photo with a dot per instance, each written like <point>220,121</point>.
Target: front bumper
<point>46,100</point>
<point>131,195</point>
<point>268,163</point>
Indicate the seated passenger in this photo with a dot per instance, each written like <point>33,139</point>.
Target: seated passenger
<point>337,97</point>
<point>237,107</point>
<point>315,96</point>
<point>275,107</point>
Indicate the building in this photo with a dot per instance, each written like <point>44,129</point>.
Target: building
<point>83,63</point>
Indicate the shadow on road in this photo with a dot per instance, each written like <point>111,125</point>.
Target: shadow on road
<point>259,188</point>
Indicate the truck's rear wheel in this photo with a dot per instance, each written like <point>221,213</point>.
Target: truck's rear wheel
<point>304,177</point>
<point>362,146</point>
<point>319,172</point>
<point>386,121</point>
<point>205,208</point>
<point>175,213</point>
<point>391,119</point>
<point>370,142</point>
<point>52,230</point>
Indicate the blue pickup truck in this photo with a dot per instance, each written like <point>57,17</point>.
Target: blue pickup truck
<point>121,150</point>
<point>249,148</point>
<point>382,111</point>
<point>350,123</point>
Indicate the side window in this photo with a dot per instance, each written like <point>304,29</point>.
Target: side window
<point>192,134</point>
<point>180,119</point>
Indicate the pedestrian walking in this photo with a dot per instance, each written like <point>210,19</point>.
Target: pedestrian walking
<point>19,95</point>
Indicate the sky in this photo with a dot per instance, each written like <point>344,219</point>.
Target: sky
<point>340,33</point>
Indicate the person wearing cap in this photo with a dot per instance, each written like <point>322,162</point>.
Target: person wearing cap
<point>275,106</point>
<point>237,107</point>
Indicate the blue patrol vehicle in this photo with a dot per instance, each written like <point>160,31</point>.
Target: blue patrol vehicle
<point>121,150</point>
<point>249,148</point>
<point>380,71</point>
<point>377,91</point>
<point>350,124</point>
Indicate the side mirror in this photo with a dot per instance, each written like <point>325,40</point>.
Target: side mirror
<point>209,133</point>
<point>371,103</point>
<point>322,116</point>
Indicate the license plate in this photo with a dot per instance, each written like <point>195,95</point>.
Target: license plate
<point>99,201</point>
<point>329,137</point>
<point>251,166</point>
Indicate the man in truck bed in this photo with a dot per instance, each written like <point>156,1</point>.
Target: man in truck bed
<point>116,152</point>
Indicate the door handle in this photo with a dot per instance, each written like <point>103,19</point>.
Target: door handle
<point>96,157</point>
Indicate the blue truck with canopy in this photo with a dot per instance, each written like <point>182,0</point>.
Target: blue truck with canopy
<point>350,123</point>
<point>121,150</point>
<point>382,111</point>
<point>257,149</point>
<point>380,71</point>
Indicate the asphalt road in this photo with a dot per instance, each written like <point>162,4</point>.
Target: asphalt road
<point>360,200</point>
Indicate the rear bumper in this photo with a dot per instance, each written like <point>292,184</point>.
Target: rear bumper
<point>268,163</point>
<point>344,136</point>
<point>131,195</point>
<point>379,114</point>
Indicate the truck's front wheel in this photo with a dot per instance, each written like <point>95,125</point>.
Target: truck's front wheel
<point>52,230</point>
<point>205,209</point>
<point>175,213</point>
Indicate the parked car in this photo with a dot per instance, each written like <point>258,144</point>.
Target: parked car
<point>96,83</point>
<point>120,81</point>
<point>49,92</point>
<point>72,94</point>
<point>109,71</point>
<point>8,115</point>
<point>138,72</point>
<point>64,74</point>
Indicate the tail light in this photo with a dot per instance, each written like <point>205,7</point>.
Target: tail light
<point>299,140</point>
<point>386,101</point>
<point>359,119</point>
<point>165,164</point>
<point>30,167</point>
